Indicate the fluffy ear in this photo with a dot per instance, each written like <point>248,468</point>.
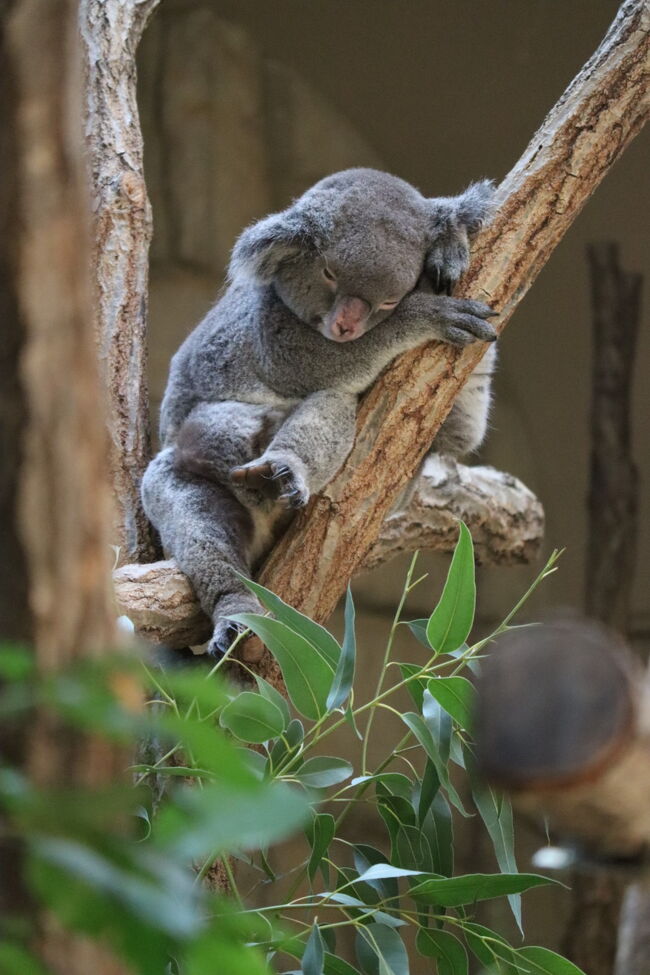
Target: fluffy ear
<point>267,244</point>
<point>471,210</point>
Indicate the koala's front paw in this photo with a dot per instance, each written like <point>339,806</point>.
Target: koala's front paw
<point>447,260</point>
<point>276,479</point>
<point>464,322</point>
<point>225,633</point>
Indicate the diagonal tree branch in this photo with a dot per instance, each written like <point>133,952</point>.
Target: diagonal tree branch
<point>590,126</point>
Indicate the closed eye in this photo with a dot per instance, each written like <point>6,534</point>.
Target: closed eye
<point>393,303</point>
<point>327,274</point>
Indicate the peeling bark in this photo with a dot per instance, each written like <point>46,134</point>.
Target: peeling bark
<point>505,518</point>
<point>596,118</point>
<point>110,31</point>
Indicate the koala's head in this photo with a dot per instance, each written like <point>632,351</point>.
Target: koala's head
<point>345,253</point>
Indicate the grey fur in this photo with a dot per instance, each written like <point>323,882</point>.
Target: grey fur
<point>260,406</point>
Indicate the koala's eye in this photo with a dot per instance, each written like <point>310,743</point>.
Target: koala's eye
<point>393,303</point>
<point>327,274</point>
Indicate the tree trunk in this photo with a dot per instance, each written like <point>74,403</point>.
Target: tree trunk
<point>54,498</point>
<point>592,932</point>
<point>111,31</point>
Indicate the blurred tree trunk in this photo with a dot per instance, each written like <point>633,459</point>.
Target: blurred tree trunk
<point>592,931</point>
<point>54,498</point>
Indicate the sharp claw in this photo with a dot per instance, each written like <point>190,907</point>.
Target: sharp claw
<point>435,279</point>
<point>448,287</point>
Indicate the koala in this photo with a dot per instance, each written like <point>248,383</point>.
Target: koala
<point>259,410</point>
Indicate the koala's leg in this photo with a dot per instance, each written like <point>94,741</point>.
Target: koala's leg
<point>211,535</point>
<point>466,424</point>
<point>307,450</point>
<point>216,437</point>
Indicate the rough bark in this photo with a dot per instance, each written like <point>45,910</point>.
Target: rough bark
<point>55,499</point>
<point>592,931</point>
<point>596,118</point>
<point>110,31</point>
<point>505,518</point>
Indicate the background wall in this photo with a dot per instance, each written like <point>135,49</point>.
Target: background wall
<point>245,103</point>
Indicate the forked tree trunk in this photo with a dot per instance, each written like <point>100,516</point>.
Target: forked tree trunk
<point>54,496</point>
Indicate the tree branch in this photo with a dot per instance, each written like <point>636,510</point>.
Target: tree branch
<point>596,118</point>
<point>505,518</point>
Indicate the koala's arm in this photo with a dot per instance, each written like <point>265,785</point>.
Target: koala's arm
<point>307,450</point>
<point>422,317</point>
<point>455,221</point>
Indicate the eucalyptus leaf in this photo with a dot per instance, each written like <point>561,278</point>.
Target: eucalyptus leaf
<point>308,671</point>
<point>450,954</point>
<point>456,695</point>
<point>323,770</point>
<point>381,951</point>
<point>273,695</point>
<point>320,834</point>
<point>451,621</point>
<point>453,891</point>
<point>344,676</point>
<point>313,956</point>
<point>419,728</point>
<point>544,960</point>
<point>315,634</point>
<point>252,718</point>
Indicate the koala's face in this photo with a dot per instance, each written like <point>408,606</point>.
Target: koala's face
<point>345,253</point>
<point>354,282</point>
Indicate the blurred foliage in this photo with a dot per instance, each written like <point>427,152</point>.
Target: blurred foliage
<point>119,865</point>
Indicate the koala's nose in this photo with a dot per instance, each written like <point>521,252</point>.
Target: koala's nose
<point>349,318</point>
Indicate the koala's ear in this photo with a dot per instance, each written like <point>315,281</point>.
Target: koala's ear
<point>267,244</point>
<point>471,210</point>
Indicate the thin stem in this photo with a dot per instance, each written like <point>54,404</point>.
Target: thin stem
<point>387,653</point>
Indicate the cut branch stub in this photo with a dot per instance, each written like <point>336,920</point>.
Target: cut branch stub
<point>596,118</point>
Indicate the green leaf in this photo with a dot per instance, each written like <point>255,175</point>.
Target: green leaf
<point>16,663</point>
<point>456,695</point>
<point>438,721</point>
<point>416,686</point>
<point>429,786</point>
<point>451,621</point>
<point>472,887</point>
<point>419,630</point>
<point>381,916</point>
<point>438,829</point>
<point>220,817</point>
<point>307,670</point>
<point>419,728</point>
<point>288,743</point>
<point>336,966</point>
<point>544,960</point>
<point>15,960</point>
<point>271,694</point>
<point>344,676</point>
<point>411,850</point>
<point>252,718</point>
<point>315,634</point>
<point>382,871</point>
<point>367,856</point>
<point>381,951</point>
<point>323,770</point>
<point>490,948</point>
<point>320,834</point>
<point>313,956</point>
<point>449,953</point>
<point>496,812</point>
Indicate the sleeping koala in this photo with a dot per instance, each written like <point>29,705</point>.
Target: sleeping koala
<point>259,411</point>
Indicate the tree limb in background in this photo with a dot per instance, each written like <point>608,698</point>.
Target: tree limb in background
<point>505,518</point>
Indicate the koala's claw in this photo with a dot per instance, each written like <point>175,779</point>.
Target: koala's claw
<point>466,323</point>
<point>274,481</point>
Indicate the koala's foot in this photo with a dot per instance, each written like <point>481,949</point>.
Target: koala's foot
<point>464,322</point>
<point>225,633</point>
<point>275,479</point>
